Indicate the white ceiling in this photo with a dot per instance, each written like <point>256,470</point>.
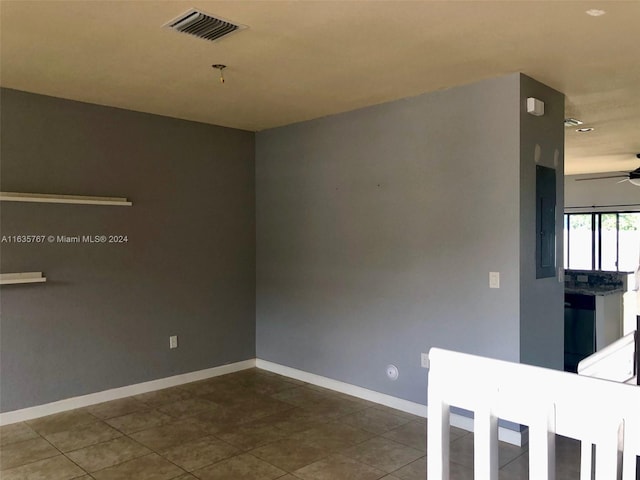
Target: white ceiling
<point>300,60</point>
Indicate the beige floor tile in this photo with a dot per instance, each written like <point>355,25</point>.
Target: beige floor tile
<point>295,420</point>
<point>188,407</point>
<point>517,469</point>
<point>294,381</point>
<point>82,436</point>
<point>383,454</point>
<point>300,396</point>
<point>363,404</point>
<point>285,425</point>
<point>250,407</point>
<point>412,434</point>
<point>16,432</point>
<point>266,384</point>
<point>242,467</point>
<point>507,453</point>
<point>204,387</point>
<point>199,453</point>
<point>27,451</point>
<point>263,407</point>
<point>334,436</point>
<point>223,419</point>
<point>117,408</point>
<point>290,454</point>
<point>373,420</point>
<point>227,396</point>
<point>416,470</point>
<point>567,462</point>
<point>134,422</point>
<point>61,422</point>
<point>231,416</point>
<point>455,432</point>
<point>54,468</point>
<point>407,416</point>
<point>324,391</point>
<point>461,452</point>
<point>567,458</point>
<point>165,436</point>
<point>150,467</point>
<point>250,436</point>
<point>460,472</point>
<point>333,408</point>
<point>338,467</point>
<point>162,397</point>
<point>107,454</point>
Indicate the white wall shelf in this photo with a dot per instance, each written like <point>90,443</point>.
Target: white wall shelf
<point>54,198</point>
<point>22,277</point>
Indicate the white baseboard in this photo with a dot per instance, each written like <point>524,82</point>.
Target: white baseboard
<point>121,392</point>
<point>347,388</point>
<point>6,418</point>
<point>460,421</point>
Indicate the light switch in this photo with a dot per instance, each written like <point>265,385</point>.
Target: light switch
<point>494,279</point>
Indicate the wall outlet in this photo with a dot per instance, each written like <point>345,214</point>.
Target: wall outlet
<point>424,360</point>
<point>494,279</point>
<point>173,341</point>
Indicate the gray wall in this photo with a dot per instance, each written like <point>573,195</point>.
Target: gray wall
<point>542,300</point>
<point>104,317</point>
<point>377,230</point>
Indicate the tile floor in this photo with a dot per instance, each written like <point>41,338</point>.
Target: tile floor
<point>250,425</point>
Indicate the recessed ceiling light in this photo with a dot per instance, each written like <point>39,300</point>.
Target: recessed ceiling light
<point>572,122</point>
<point>585,130</point>
<point>594,12</point>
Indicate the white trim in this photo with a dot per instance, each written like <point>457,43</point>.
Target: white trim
<point>342,387</point>
<point>21,277</point>
<point>56,198</point>
<point>460,421</point>
<point>121,392</point>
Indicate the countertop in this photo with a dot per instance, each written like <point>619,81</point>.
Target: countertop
<point>594,290</point>
<point>595,282</point>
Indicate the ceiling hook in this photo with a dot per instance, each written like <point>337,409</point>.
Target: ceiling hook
<point>220,67</point>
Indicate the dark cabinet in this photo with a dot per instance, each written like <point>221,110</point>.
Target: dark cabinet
<point>579,329</point>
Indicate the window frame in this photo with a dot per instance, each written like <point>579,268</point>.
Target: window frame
<point>596,237</point>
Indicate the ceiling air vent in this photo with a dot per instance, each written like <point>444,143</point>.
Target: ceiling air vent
<point>199,24</point>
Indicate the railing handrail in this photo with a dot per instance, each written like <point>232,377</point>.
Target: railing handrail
<point>548,401</point>
<point>616,361</point>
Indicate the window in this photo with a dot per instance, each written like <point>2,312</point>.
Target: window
<point>602,241</point>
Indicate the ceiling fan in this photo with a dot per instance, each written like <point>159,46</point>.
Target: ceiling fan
<point>632,176</point>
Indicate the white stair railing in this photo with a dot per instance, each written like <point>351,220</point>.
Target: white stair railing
<point>619,362</point>
<point>615,362</point>
<point>594,411</point>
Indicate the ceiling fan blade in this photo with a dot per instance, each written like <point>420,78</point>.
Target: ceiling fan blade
<point>600,178</point>
<point>624,180</point>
